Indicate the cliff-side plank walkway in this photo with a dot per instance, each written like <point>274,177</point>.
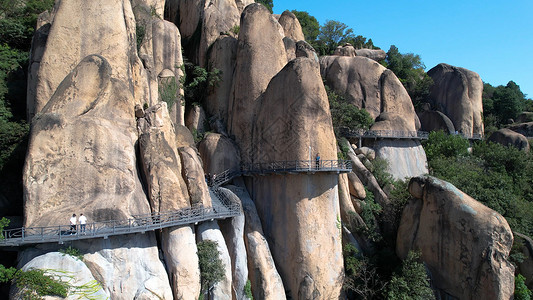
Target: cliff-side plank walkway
<point>397,134</point>
<point>222,208</point>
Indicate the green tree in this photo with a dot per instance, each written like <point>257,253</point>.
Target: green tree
<point>211,266</point>
<point>267,3</point>
<point>333,33</point>
<point>346,115</point>
<point>441,144</point>
<point>503,102</point>
<point>409,68</point>
<point>310,25</point>
<point>412,282</point>
<point>521,292</point>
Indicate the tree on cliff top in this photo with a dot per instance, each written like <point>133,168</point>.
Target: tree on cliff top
<point>310,25</point>
<point>334,33</point>
<point>267,3</point>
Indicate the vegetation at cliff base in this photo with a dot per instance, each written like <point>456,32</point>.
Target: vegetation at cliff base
<point>34,283</point>
<point>211,267</point>
<point>412,282</point>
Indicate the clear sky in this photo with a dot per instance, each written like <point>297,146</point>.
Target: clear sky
<point>491,37</point>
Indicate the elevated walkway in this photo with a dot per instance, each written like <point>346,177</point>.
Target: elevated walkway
<point>222,208</point>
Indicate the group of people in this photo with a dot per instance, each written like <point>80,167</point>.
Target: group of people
<point>74,223</point>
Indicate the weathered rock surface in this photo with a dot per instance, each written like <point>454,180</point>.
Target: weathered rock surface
<point>265,279</point>
<point>508,137</point>
<point>194,176</point>
<point>291,26</point>
<point>367,84</point>
<point>431,120</point>
<point>374,54</point>
<point>179,248</point>
<point>161,55</point>
<point>464,244</point>
<point>84,137</point>
<point>290,48</point>
<point>406,158</point>
<point>457,93</point>
<point>299,215</point>
<point>218,153</point>
<point>525,129</point>
<point>196,119</point>
<point>260,56</point>
<point>303,49</point>
<point>68,269</point>
<point>345,50</point>
<point>135,255</point>
<point>160,160</point>
<point>211,231</point>
<point>233,231</point>
<point>222,56</point>
<point>356,187</point>
<point>525,117</point>
<point>72,37</point>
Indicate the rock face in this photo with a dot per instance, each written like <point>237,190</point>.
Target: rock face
<point>464,244</point>
<point>265,279</point>
<point>67,269</point>
<point>260,56</point>
<point>525,129</point>
<point>346,50</point>
<point>84,136</point>
<point>526,266</point>
<point>219,154</point>
<point>299,213</point>
<point>72,38</point>
<point>367,84</point>
<point>161,162</point>
<point>406,158</point>
<point>507,137</point>
<point>194,176</point>
<point>222,56</point>
<point>456,92</point>
<point>374,54</point>
<point>431,120</point>
<point>291,26</point>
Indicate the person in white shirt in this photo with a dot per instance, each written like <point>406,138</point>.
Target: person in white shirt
<point>73,222</point>
<point>83,222</point>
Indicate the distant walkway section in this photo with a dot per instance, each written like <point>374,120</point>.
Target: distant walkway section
<point>397,134</point>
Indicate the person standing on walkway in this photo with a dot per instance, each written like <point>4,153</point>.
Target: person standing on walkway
<point>83,222</point>
<point>73,222</point>
<point>317,161</point>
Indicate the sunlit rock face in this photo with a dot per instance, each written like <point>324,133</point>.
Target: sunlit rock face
<point>464,244</point>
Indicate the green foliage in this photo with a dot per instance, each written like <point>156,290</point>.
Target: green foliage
<point>197,80</point>
<point>72,252</point>
<point>361,278</point>
<point>410,70</point>
<point>169,91</point>
<point>211,267</point>
<point>4,222</point>
<point>412,282</point>
<point>399,196</point>
<point>140,31</point>
<point>310,25</point>
<point>267,3</point>
<point>380,170</point>
<point>235,29</point>
<point>333,33</point>
<point>344,147</point>
<point>370,209</point>
<point>36,283</point>
<point>344,114</point>
<point>6,274</point>
<point>521,292</point>
<point>445,145</point>
<point>248,290</point>
<point>503,102</point>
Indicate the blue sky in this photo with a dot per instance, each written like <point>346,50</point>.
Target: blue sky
<point>493,38</point>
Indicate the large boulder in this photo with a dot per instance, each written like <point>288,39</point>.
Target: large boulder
<point>264,277</point>
<point>431,120</point>
<point>367,84</point>
<point>526,129</point>
<point>406,158</point>
<point>510,138</point>
<point>374,54</point>
<point>299,212</point>
<point>75,33</point>
<point>291,26</point>
<point>233,231</point>
<point>222,56</point>
<point>83,137</point>
<point>260,56</point>
<point>464,244</point>
<point>219,154</point>
<point>161,163</point>
<point>456,92</point>
<point>194,176</point>
<point>345,50</point>
<point>68,269</point>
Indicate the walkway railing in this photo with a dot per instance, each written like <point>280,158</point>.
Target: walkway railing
<point>221,208</point>
<point>292,166</point>
<point>388,134</point>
